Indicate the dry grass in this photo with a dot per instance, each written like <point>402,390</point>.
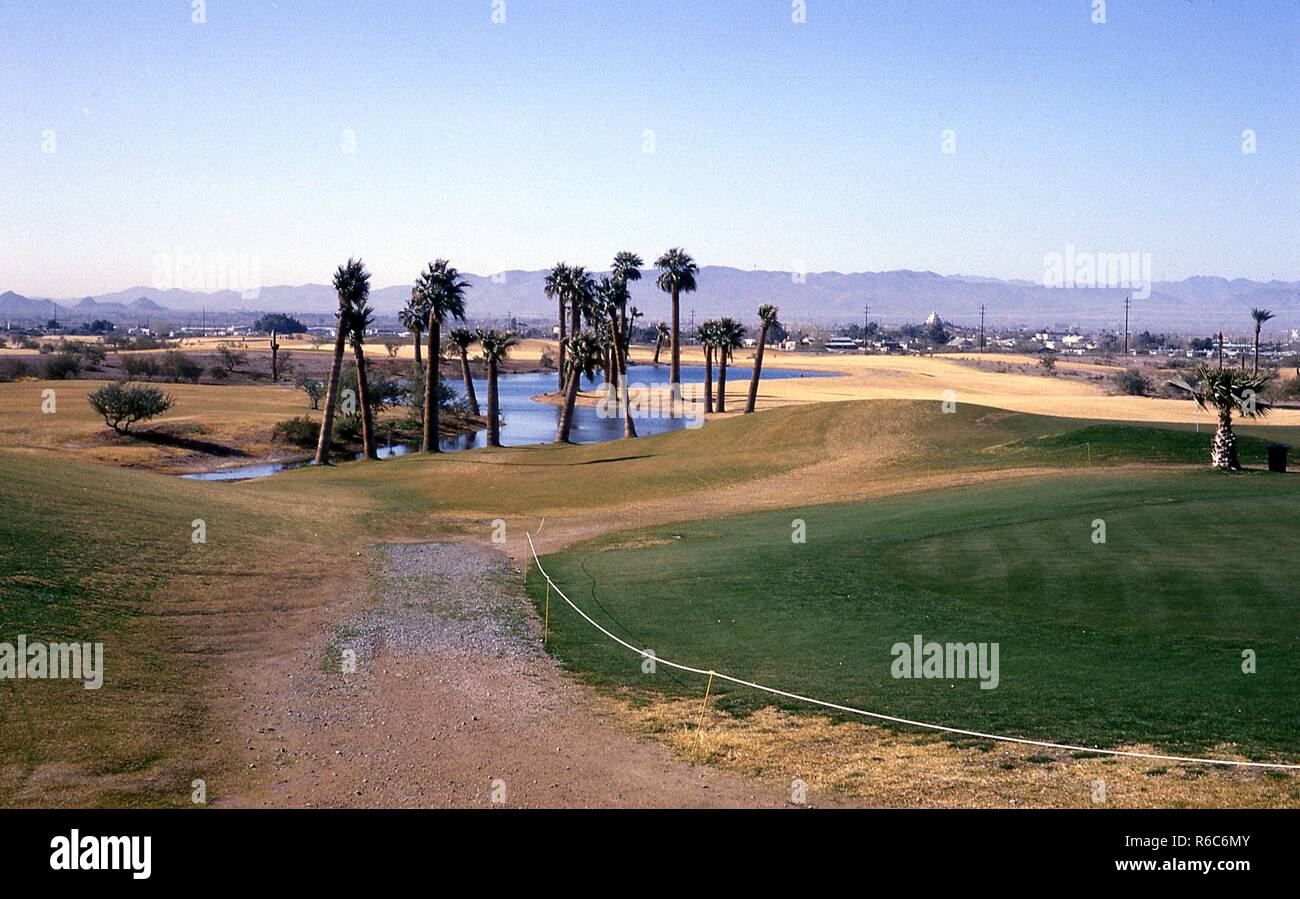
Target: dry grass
<point>876,766</point>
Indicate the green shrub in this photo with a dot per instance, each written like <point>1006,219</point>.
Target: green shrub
<point>300,431</point>
<point>61,366</point>
<point>1132,382</point>
<point>123,404</point>
<point>181,367</point>
<point>139,365</point>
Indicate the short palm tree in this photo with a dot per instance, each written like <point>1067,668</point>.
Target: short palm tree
<point>1260,316</point>
<point>677,271</point>
<point>555,286</point>
<point>582,358</point>
<point>352,284</point>
<point>496,346</point>
<point>730,337</point>
<point>442,297</point>
<point>708,336</point>
<point>1224,391</point>
<point>462,339</point>
<point>661,337</point>
<point>767,318</point>
<point>361,318</point>
<point>412,317</point>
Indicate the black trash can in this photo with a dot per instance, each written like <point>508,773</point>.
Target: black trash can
<point>1277,456</point>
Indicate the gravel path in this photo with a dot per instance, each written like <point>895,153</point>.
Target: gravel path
<point>455,703</point>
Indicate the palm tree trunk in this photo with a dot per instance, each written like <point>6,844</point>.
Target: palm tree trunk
<point>416,338</point>
<point>1223,450</point>
<point>758,369</point>
<point>566,415</point>
<point>708,379</point>
<point>367,417</point>
<point>494,416</point>
<point>620,368</point>
<point>331,393</point>
<point>470,396</point>
<point>559,372</point>
<point>723,352</point>
<point>675,372</point>
<point>429,439</point>
<point>1257,327</point>
<point>659,345</point>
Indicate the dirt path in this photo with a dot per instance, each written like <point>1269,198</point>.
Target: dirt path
<point>452,692</point>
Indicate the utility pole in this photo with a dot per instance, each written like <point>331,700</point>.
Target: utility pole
<point>1126,304</point>
<point>981,327</point>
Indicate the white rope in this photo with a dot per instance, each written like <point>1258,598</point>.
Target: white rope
<point>878,715</point>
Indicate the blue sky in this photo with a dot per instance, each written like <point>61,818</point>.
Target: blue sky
<point>775,145</point>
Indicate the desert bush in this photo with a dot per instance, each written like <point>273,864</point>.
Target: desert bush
<point>180,367</point>
<point>300,431</point>
<point>1132,382</point>
<point>139,366</point>
<point>12,369</point>
<point>123,404</point>
<point>61,366</point>
<point>313,387</point>
<point>1048,363</point>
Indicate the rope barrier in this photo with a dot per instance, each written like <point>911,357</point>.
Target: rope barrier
<point>879,716</point>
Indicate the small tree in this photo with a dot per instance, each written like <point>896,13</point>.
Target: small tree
<point>230,360</point>
<point>1222,391</point>
<point>1048,363</point>
<point>1131,382</point>
<point>123,404</point>
<point>313,387</point>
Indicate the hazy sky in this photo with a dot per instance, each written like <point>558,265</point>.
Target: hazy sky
<point>580,127</point>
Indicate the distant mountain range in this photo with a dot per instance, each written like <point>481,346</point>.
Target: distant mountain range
<point>1194,305</point>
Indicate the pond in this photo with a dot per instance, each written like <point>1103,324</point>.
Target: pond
<point>525,421</point>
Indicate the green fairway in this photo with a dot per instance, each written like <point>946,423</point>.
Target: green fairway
<point>1137,640</point>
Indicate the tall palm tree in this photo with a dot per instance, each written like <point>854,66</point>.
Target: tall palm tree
<point>582,357</point>
<point>442,296</point>
<point>462,339</point>
<point>707,334</point>
<point>767,318</point>
<point>1223,391</point>
<point>555,288</point>
<point>496,346</point>
<point>730,337</point>
<point>352,284</point>
<point>362,317</point>
<point>677,271</point>
<point>412,318</point>
<point>1260,316</point>
<point>611,296</point>
<point>580,291</point>
<point>661,336</point>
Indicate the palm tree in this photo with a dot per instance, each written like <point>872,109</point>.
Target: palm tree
<point>767,318</point>
<point>412,318</point>
<point>580,292</point>
<point>361,318</point>
<point>462,339</point>
<point>555,288</point>
<point>661,335</point>
<point>496,346</point>
<point>708,337</point>
<point>1223,390</point>
<point>582,357</point>
<point>352,283</point>
<point>442,296</point>
<point>1260,316</point>
<point>677,271</point>
<point>611,296</point>
<point>730,337</point>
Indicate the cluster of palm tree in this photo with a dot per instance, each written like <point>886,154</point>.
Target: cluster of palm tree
<point>1223,391</point>
<point>602,306</point>
<point>437,299</point>
<point>596,321</point>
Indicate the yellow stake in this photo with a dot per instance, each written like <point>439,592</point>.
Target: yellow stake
<point>546,623</point>
<point>699,728</point>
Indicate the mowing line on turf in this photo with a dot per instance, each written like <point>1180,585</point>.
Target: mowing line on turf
<point>880,716</point>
